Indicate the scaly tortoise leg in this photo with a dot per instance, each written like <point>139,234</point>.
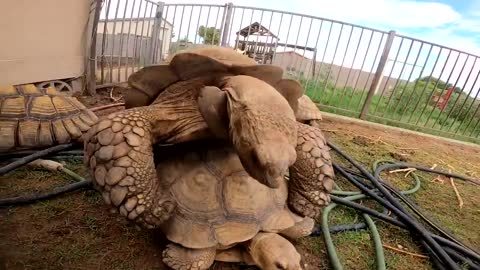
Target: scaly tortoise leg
<point>118,151</point>
<point>311,176</point>
<point>181,258</point>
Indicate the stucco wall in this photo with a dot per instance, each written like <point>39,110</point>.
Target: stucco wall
<point>42,40</point>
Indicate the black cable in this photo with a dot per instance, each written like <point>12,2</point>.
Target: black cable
<point>453,246</point>
<point>460,258</point>
<point>395,222</point>
<point>45,195</point>
<point>317,230</point>
<point>369,211</point>
<point>457,247</point>
<point>34,156</point>
<point>416,209</point>
<point>394,206</point>
<point>23,153</point>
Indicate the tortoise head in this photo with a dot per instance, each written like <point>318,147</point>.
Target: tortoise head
<point>259,122</point>
<point>270,251</point>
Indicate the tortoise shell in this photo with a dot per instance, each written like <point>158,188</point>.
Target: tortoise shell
<point>218,203</point>
<point>307,110</point>
<point>32,117</point>
<point>149,82</point>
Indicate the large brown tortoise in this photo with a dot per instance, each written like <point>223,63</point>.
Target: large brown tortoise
<point>222,213</point>
<point>202,94</point>
<point>33,117</point>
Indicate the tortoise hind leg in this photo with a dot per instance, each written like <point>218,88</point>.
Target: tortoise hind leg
<point>312,173</point>
<point>118,151</point>
<point>181,258</point>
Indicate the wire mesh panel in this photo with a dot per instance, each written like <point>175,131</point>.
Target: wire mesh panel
<point>124,38</point>
<point>335,61</point>
<point>345,68</point>
<point>429,87</point>
<point>193,25</point>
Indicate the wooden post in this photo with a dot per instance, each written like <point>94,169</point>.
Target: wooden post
<point>226,24</point>
<point>155,32</point>
<point>378,75</point>
<point>91,58</point>
<point>314,62</point>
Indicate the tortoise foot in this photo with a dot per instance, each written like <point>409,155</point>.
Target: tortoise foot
<point>118,151</point>
<point>302,228</point>
<point>312,174</point>
<point>180,258</point>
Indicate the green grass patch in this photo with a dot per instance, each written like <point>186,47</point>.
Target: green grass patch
<point>407,106</point>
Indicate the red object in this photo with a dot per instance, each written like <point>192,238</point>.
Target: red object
<point>446,97</point>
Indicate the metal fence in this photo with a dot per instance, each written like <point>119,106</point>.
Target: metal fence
<point>345,68</point>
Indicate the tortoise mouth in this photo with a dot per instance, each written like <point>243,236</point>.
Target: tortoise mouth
<point>266,174</point>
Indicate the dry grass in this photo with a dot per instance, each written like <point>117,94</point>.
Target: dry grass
<point>76,231</point>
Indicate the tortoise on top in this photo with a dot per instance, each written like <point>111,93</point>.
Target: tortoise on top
<point>220,103</point>
<point>147,83</point>
<point>31,117</point>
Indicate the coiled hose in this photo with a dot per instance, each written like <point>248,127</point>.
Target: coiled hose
<point>444,250</point>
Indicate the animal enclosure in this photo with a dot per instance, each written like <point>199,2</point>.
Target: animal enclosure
<point>347,69</point>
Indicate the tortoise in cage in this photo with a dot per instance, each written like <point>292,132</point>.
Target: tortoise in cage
<point>199,96</point>
<point>33,117</point>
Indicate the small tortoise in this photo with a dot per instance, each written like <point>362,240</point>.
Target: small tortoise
<point>221,212</point>
<point>32,117</point>
<point>250,106</point>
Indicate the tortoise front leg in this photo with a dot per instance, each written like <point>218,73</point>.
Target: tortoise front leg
<point>311,176</point>
<point>118,151</point>
<point>179,258</point>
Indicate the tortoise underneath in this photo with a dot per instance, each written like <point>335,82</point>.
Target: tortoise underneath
<point>222,213</point>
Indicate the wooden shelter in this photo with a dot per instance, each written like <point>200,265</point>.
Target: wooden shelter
<point>261,44</point>
<point>258,43</point>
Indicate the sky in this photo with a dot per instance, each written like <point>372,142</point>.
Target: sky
<point>452,23</point>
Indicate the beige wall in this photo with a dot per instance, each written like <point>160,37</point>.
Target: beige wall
<point>42,40</point>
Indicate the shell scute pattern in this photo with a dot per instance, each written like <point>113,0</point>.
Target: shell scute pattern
<point>215,198</point>
<point>32,117</point>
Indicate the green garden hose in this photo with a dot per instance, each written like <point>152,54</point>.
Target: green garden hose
<point>332,253</point>
<point>352,196</point>
<point>413,207</point>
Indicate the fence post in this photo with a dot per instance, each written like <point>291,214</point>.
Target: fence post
<point>155,32</point>
<point>226,24</point>
<point>378,75</point>
<point>91,59</point>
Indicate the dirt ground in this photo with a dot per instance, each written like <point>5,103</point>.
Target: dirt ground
<point>76,231</point>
